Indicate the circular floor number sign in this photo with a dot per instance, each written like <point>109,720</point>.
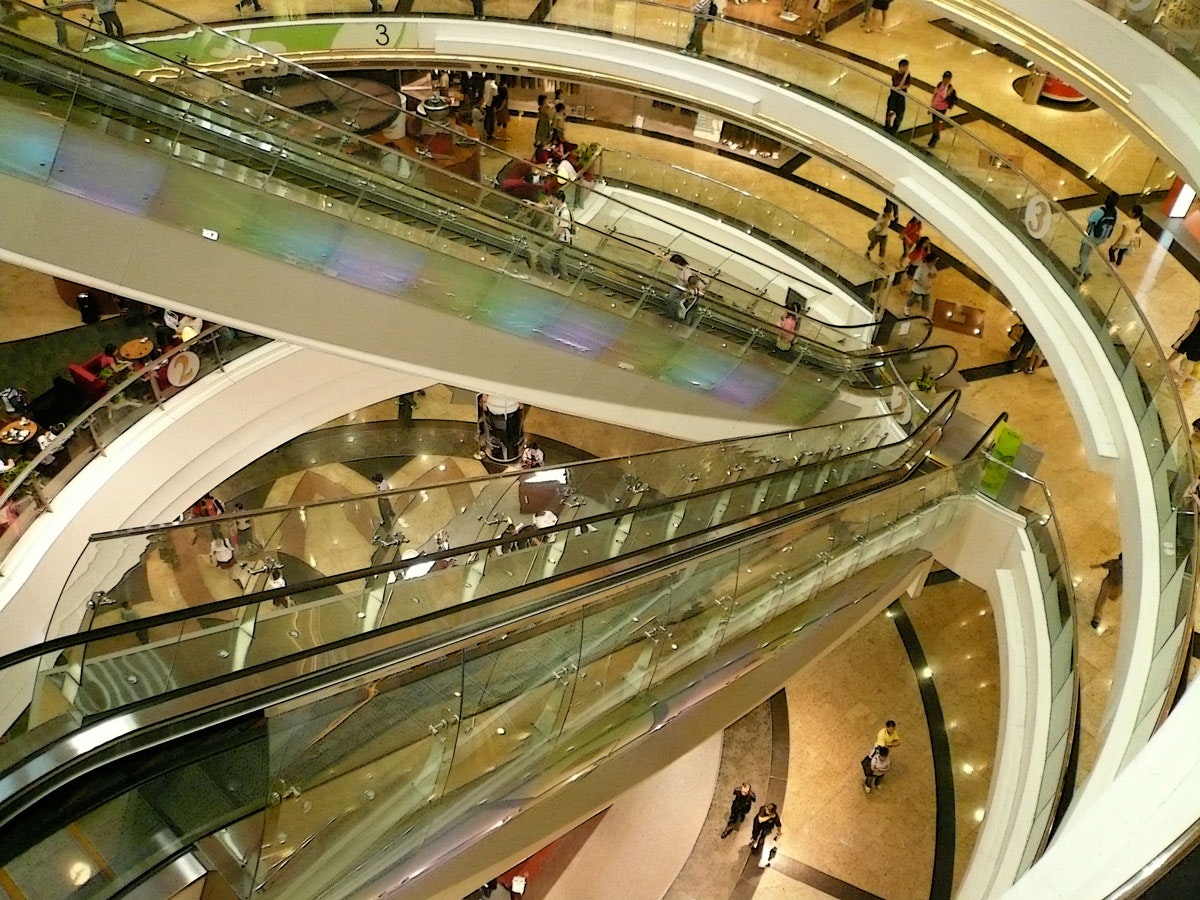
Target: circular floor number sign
<point>183,368</point>
<point>1038,216</point>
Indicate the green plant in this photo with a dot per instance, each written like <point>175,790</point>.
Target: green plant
<point>584,154</point>
<point>9,477</point>
<point>926,382</point>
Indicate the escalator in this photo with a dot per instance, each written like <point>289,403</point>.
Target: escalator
<point>336,537</point>
<point>266,152</point>
<point>211,727</point>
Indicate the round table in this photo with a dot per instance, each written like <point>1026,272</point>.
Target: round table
<point>136,349</point>
<point>22,425</point>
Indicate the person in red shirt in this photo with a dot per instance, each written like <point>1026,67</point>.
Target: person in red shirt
<point>910,235</point>
<point>916,255</point>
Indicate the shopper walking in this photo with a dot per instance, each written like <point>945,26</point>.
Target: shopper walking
<point>558,125</point>
<point>387,516</point>
<point>1129,236</point>
<point>60,25</point>
<point>922,285</point>
<point>1023,343</point>
<point>820,11</point>
<point>909,235</point>
<point>877,235</point>
<point>875,766</point>
<point>897,100</point>
<point>220,550</point>
<point>743,802</point>
<point>1186,351</point>
<point>564,231</point>
<point>488,101</point>
<point>945,98</point>
<point>1099,228</point>
<point>1110,587</point>
<point>503,114</point>
<point>108,16</point>
<point>703,11</point>
<point>545,123</point>
<point>689,285</point>
<point>870,7</point>
<point>766,823</point>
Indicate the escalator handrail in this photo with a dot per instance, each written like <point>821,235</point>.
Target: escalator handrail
<point>987,433</point>
<point>749,323</point>
<point>929,428</point>
<point>398,493</point>
<point>187,709</point>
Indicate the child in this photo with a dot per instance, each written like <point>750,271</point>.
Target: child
<point>1128,238</point>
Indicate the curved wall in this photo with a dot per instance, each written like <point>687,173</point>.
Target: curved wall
<point>1091,388</point>
<point>1093,393</point>
<point>200,437</point>
<point>426,341</point>
<point>1131,76</point>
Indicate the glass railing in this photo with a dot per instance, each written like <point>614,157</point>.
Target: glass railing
<point>1013,196</point>
<point>427,747</point>
<point>694,190</point>
<point>32,485</point>
<point>1031,498</point>
<point>747,284</point>
<point>338,536</point>
<point>207,50</point>
<point>1028,206</point>
<point>110,667</point>
<point>1172,24</point>
<point>520,251</point>
<point>995,178</point>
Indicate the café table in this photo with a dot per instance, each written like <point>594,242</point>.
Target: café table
<point>136,350</point>
<point>16,432</point>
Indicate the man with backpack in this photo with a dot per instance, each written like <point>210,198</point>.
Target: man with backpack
<point>702,11</point>
<point>1099,228</point>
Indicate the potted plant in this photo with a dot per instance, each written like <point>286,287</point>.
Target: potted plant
<point>9,476</point>
<point>584,154</point>
<point>926,384</point>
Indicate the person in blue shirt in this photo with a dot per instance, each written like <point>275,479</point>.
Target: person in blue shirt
<point>1100,225</point>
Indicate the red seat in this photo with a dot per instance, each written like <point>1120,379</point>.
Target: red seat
<point>87,376</point>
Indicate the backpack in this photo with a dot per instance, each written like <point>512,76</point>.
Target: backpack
<point>1103,227</point>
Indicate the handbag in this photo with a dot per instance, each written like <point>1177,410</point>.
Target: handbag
<point>866,765</point>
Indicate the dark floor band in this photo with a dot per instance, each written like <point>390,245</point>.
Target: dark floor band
<point>781,733</point>
<point>943,768</point>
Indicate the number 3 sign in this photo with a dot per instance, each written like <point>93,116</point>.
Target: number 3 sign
<point>1038,216</point>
